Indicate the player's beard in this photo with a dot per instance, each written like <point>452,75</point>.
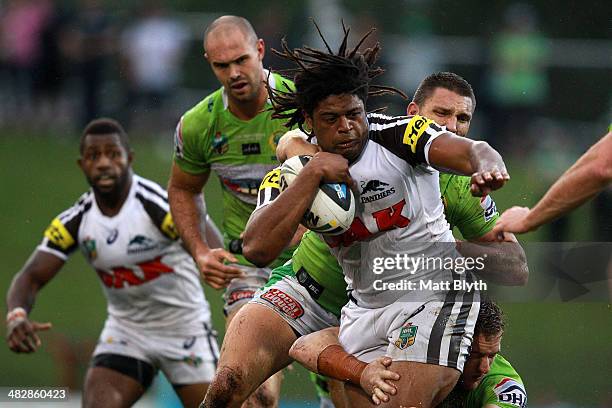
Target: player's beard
<point>112,197</point>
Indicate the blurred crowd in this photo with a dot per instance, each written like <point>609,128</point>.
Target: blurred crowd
<point>63,67</point>
<point>66,63</point>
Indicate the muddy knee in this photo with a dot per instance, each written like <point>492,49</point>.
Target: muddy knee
<point>226,390</point>
<point>264,397</point>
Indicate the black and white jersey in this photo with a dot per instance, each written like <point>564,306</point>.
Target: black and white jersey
<point>149,280</point>
<point>399,210</point>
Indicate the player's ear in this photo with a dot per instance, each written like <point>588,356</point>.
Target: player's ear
<point>307,123</point>
<point>204,49</point>
<point>413,109</point>
<point>261,49</point>
<point>130,156</point>
<point>80,163</point>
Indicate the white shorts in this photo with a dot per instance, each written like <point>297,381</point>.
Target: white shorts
<point>241,290</point>
<point>293,303</point>
<point>184,359</point>
<point>435,332</point>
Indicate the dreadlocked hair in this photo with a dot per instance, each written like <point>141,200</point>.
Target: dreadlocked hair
<point>319,74</point>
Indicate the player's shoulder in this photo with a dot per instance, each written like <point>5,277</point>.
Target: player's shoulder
<point>269,188</point>
<point>149,193</point>
<point>280,83</point>
<point>144,185</point>
<point>504,384</point>
<point>77,209</point>
<point>62,233</point>
<point>153,201</point>
<point>379,121</point>
<point>407,137</point>
<point>386,130</point>
<point>203,112</point>
<point>271,179</point>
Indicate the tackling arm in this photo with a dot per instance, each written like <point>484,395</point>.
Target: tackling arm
<point>39,269</point>
<point>588,176</point>
<point>506,262</point>
<point>321,352</point>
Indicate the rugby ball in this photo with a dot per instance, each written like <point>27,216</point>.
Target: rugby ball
<point>333,208</point>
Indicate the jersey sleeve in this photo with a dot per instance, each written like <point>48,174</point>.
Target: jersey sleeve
<point>190,139</point>
<point>60,238</point>
<point>473,216</point>
<point>409,138</point>
<point>269,188</point>
<point>503,391</point>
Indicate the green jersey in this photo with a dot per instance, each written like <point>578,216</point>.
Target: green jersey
<point>209,137</point>
<point>501,386</point>
<point>473,217</point>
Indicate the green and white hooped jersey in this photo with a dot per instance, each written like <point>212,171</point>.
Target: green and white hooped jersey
<point>209,137</point>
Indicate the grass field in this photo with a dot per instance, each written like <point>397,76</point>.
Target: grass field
<point>562,350</point>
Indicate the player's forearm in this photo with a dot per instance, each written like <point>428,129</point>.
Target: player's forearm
<point>39,269</point>
<point>503,263</point>
<point>271,228</point>
<point>189,215</point>
<point>22,292</point>
<point>463,156</point>
<point>307,349</point>
<point>588,176</point>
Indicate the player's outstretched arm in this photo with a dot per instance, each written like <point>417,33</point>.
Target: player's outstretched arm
<point>321,352</point>
<point>272,227</point>
<point>588,176</point>
<point>505,263</point>
<point>39,269</point>
<point>187,207</point>
<point>449,152</point>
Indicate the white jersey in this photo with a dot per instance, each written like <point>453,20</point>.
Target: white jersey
<point>399,211</point>
<point>149,280</point>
